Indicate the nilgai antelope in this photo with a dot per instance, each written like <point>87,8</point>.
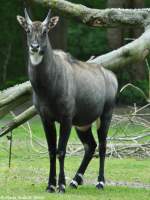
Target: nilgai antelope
<point>70,92</point>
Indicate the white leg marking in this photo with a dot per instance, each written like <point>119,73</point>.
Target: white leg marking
<point>63,186</point>
<point>74,183</point>
<point>101,183</point>
<point>80,175</point>
<point>53,187</point>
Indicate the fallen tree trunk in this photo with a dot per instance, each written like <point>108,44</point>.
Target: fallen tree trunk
<point>18,120</point>
<point>9,95</point>
<point>14,96</point>
<point>135,51</point>
<point>100,18</point>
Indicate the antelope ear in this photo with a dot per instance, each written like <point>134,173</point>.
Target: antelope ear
<point>53,21</point>
<point>22,22</point>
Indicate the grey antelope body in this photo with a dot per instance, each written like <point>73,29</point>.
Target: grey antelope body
<point>70,92</point>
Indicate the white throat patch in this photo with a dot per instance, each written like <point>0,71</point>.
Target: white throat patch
<point>36,58</point>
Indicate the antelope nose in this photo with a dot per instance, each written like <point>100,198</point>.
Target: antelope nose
<point>34,47</point>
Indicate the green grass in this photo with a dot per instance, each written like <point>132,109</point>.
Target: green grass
<point>84,193</point>
<point>29,170</point>
<point>28,177</point>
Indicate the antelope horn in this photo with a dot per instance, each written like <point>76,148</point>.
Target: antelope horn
<point>46,20</point>
<point>27,17</point>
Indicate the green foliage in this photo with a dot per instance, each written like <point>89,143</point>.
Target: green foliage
<point>11,35</point>
<point>12,82</point>
<point>130,95</point>
<point>147,3</point>
<point>84,42</point>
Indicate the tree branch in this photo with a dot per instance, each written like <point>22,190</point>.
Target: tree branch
<point>100,18</point>
<point>132,52</point>
<point>11,94</point>
<point>17,121</point>
<point>14,96</point>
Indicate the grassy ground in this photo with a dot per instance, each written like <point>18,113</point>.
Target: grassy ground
<point>27,177</point>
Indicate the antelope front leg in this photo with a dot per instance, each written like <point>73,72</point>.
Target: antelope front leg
<point>50,133</point>
<point>65,129</point>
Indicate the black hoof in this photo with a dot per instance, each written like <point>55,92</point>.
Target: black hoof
<point>61,189</point>
<point>100,185</point>
<point>74,184</point>
<point>50,189</point>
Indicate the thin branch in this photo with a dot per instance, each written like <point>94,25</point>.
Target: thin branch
<point>136,88</point>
